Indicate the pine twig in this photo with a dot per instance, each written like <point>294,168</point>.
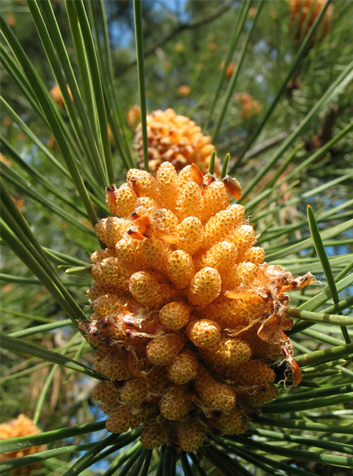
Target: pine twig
<point>179,29</point>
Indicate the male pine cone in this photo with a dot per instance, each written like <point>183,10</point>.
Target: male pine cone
<point>175,139</point>
<point>187,318</point>
<point>20,426</point>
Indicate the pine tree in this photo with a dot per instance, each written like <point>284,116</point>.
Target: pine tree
<point>257,90</point>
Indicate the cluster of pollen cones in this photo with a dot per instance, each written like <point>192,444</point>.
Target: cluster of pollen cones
<point>21,426</point>
<point>304,14</point>
<point>188,319</point>
<point>175,139</point>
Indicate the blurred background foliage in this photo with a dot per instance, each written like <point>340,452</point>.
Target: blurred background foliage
<point>186,44</point>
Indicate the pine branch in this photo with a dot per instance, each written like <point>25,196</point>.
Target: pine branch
<point>179,29</point>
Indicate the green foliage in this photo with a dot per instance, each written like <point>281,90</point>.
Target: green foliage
<point>293,148</point>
